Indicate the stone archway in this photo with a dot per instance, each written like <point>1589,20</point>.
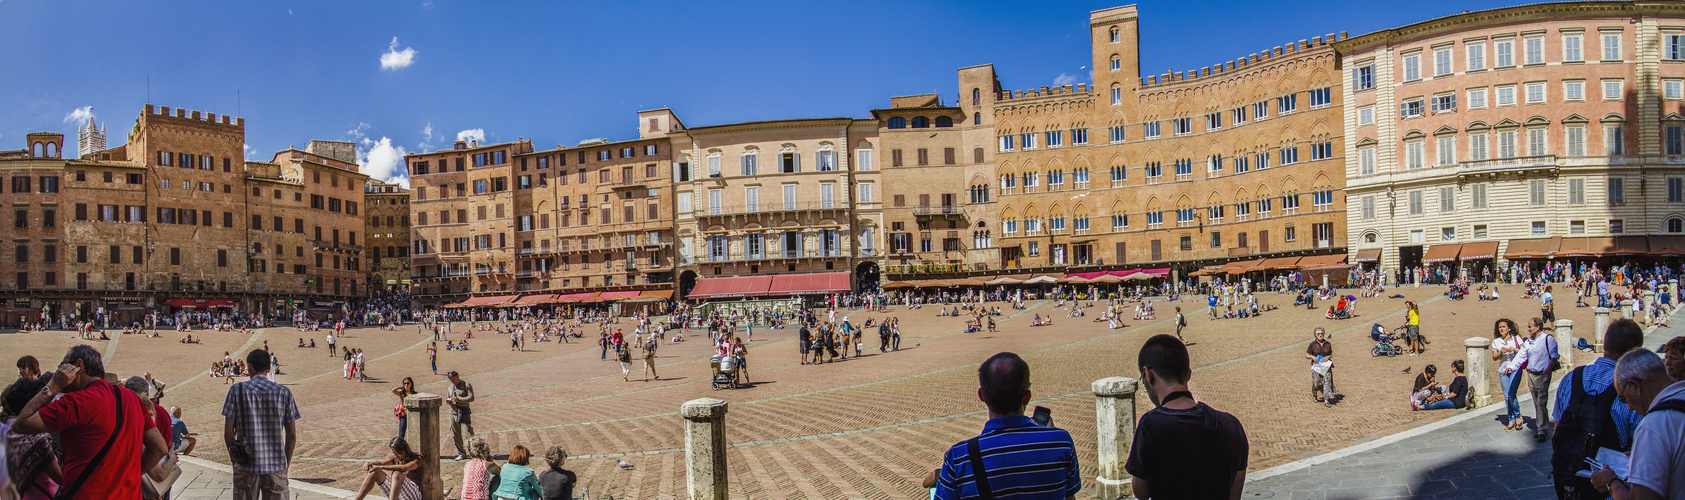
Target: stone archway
<point>687,281</point>
<point>866,277</point>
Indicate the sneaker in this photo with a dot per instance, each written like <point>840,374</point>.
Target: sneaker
<point>1412,354</point>
<point>460,458</point>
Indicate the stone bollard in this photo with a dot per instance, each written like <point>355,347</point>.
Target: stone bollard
<point>1648,299</point>
<point>1114,407</point>
<point>1626,309</point>
<point>426,408</point>
<point>1480,378</point>
<point>1599,324</point>
<point>705,467</point>
<point>1565,342</point>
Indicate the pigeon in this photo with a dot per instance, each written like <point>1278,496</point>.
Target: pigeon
<point>1406,370</point>
<point>623,464</point>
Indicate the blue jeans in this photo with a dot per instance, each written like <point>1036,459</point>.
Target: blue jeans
<point>1443,404</point>
<point>1511,382</point>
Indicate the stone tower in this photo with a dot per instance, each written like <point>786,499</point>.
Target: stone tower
<point>90,140</point>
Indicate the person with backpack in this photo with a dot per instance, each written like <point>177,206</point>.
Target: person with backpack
<point>1590,415</point>
<point>1181,322</point>
<point>1656,468</point>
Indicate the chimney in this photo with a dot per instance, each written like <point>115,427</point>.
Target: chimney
<point>474,143</point>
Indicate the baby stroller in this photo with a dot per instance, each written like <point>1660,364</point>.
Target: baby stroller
<point>725,371</point>
<point>1383,342</point>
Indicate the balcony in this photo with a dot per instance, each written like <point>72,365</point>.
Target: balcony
<point>415,275</point>
<point>928,210</point>
<point>1519,164</point>
<point>770,209</point>
<point>777,256</point>
<point>335,246</point>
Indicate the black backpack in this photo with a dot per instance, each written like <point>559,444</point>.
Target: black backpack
<point>1585,426</point>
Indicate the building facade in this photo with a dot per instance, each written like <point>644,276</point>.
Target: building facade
<point>1185,169</point>
<point>462,208</point>
<point>937,187</point>
<point>173,213</point>
<point>778,197</point>
<point>1515,134</point>
<point>387,225</point>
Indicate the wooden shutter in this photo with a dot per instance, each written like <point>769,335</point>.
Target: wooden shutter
<point>1158,251</point>
<point>1122,254</point>
<point>1263,241</point>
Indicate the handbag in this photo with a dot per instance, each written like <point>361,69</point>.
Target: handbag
<point>239,451</point>
<point>68,492</point>
<point>152,490</point>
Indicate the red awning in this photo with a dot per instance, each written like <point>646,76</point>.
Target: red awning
<point>623,294</point>
<point>489,301</point>
<point>535,299</point>
<point>218,303</point>
<point>809,284</point>
<point>1322,260</point>
<point>737,286</point>
<point>183,303</point>
<point>1486,250</point>
<point>575,297</point>
<point>1442,253</point>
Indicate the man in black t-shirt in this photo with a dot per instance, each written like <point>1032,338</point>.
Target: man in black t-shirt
<point>1182,448</point>
<point>806,342</point>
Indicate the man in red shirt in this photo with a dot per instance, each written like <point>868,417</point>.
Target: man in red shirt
<point>81,407</point>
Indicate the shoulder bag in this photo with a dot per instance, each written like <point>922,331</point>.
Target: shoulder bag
<point>980,476</point>
<point>68,492</point>
<point>239,451</point>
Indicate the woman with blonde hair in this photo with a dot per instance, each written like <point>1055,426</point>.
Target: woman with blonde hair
<point>477,474</point>
<point>398,475</point>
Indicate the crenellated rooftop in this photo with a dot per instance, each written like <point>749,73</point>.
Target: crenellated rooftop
<point>1173,77</point>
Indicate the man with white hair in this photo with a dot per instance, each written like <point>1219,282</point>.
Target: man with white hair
<point>1657,467</point>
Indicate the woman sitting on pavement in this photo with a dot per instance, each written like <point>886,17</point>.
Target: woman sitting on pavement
<point>477,473</point>
<point>514,479</point>
<point>397,476</point>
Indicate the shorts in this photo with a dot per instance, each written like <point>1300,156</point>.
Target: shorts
<point>411,491</point>
<point>806,346</point>
<point>1413,333</point>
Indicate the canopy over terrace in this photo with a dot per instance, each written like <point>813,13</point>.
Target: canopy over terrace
<point>1338,259</point>
<point>1442,253</point>
<point>736,286</point>
<point>491,301</point>
<point>1241,267</point>
<point>1485,250</point>
<point>1666,246</point>
<point>1536,248</point>
<point>1583,247</point>
<point>652,296</point>
<point>1278,264</point>
<point>808,284</point>
<point>535,299</point>
<point>1371,255</point>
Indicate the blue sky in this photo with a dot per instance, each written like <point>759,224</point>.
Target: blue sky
<point>386,74</point>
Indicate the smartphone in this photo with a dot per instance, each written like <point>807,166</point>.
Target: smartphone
<point>1042,416</point>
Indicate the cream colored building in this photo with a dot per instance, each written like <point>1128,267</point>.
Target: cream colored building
<point>1531,131</point>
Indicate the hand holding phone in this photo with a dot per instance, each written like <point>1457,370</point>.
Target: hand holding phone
<point>1042,416</point>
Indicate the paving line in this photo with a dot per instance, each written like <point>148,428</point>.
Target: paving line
<point>249,341</point>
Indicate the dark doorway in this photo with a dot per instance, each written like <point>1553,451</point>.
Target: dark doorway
<point>866,277</point>
<point>687,281</point>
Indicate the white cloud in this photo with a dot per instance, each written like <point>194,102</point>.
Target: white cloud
<point>381,160</point>
<point>79,115</point>
<point>427,138</point>
<point>394,59</point>
<point>427,4</point>
<point>1065,79</point>
<point>473,134</point>
<point>249,151</point>
<point>359,132</point>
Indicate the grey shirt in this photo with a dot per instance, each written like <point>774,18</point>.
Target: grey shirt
<point>464,394</point>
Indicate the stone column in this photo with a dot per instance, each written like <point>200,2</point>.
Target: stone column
<point>1114,407</point>
<point>1649,301</point>
<point>1480,378</point>
<point>705,467</point>
<point>1565,342</point>
<point>1626,309</point>
<point>426,408</point>
<point>1599,324</point>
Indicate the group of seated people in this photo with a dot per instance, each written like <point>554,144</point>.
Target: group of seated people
<point>312,344</point>
<point>227,368</point>
<point>1144,310</point>
<point>1344,309</point>
<point>1038,321</point>
<point>189,339</point>
<point>1429,395</point>
<point>456,346</point>
<point>1482,295</point>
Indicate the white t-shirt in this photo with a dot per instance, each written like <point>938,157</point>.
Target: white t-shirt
<point>1658,448</point>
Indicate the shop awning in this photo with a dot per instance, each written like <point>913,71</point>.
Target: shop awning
<point>809,284</point>
<point>1157,272</point>
<point>1628,246</point>
<point>619,295</point>
<point>1242,267</point>
<point>736,286</point>
<point>1278,263</point>
<point>1371,255</point>
<point>1045,278</point>
<point>1485,250</point>
<point>535,299</point>
<point>1585,247</point>
<point>182,303</point>
<point>1666,246</point>
<point>576,297</point>
<point>1106,279</point>
<point>897,284</point>
<point>930,283</point>
<point>969,282</point>
<point>1000,280</point>
<point>1338,259</point>
<point>489,301</point>
<point>1442,253</point>
<point>656,294</point>
<point>1536,248</point>
<point>1206,270</point>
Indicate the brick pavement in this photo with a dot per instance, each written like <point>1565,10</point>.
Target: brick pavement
<point>864,428</point>
<point>1467,455</point>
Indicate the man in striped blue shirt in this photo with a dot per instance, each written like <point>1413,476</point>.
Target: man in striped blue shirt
<point>1014,457</point>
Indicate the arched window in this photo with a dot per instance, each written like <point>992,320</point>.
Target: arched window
<point>944,122</point>
<point>1116,35</point>
<point>921,122</point>
<point>897,122</point>
<point>37,151</point>
<point>976,97</point>
<point>977,118</point>
<point>52,150</point>
<point>1116,63</point>
<point>1676,225</point>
